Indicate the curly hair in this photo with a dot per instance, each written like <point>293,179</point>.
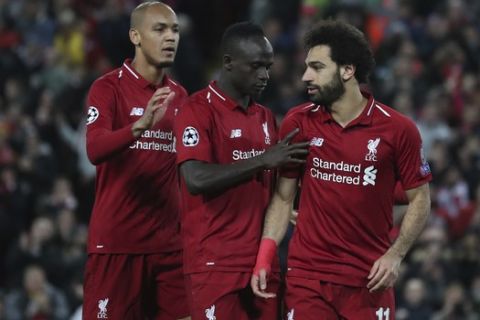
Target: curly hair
<point>348,45</point>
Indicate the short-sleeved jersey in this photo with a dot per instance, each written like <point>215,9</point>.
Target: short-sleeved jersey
<point>347,188</point>
<point>222,231</point>
<point>136,206</point>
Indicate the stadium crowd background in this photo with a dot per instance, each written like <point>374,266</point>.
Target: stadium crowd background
<point>428,67</point>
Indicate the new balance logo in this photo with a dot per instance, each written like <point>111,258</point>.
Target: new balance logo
<point>370,174</point>
<point>236,133</point>
<point>316,142</point>
<point>102,305</point>
<point>210,313</point>
<point>137,111</point>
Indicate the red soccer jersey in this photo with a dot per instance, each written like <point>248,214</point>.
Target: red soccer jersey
<point>348,182</point>
<point>136,206</point>
<point>222,232</point>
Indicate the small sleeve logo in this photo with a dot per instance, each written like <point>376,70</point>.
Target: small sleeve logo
<point>92,115</point>
<point>190,137</point>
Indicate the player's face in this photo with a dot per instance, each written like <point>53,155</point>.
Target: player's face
<point>159,36</point>
<point>250,66</point>
<point>322,77</point>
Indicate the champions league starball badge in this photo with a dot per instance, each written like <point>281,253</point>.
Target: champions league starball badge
<point>190,137</point>
<point>92,114</point>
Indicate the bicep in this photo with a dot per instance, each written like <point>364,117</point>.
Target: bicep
<point>419,193</point>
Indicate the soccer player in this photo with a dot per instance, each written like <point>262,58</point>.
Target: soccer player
<point>134,267</point>
<point>341,264</point>
<point>227,147</point>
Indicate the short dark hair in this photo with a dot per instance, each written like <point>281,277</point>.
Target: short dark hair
<point>348,45</point>
<point>239,31</point>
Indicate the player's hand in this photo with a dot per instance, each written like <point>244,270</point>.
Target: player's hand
<point>258,282</point>
<point>155,110</point>
<point>283,153</point>
<point>384,272</point>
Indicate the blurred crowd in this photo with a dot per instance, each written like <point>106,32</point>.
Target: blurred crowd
<point>428,67</point>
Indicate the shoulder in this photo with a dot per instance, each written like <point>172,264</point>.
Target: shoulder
<point>298,112</point>
<point>196,104</point>
<point>397,121</point>
<point>108,81</point>
<point>177,87</point>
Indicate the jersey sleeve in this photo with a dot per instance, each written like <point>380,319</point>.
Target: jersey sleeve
<point>290,123</point>
<point>193,133</point>
<point>412,168</point>
<point>102,140</point>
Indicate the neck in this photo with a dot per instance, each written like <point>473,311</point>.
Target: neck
<point>349,106</point>
<point>149,72</point>
<point>226,86</point>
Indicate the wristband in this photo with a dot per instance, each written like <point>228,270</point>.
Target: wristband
<point>266,252</point>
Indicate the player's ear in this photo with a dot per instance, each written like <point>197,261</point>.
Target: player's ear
<point>134,37</point>
<point>347,71</point>
<point>227,62</point>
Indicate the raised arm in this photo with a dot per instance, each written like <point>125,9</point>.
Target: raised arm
<point>104,142</point>
<point>385,270</point>
<point>206,178</point>
<point>276,222</point>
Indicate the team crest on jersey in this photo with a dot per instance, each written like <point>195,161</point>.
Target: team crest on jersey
<point>190,137</point>
<point>102,306</point>
<point>265,132</point>
<point>210,313</point>
<point>372,149</point>
<point>92,114</point>
<point>290,314</point>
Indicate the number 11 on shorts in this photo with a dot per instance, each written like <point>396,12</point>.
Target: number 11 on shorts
<point>383,314</point>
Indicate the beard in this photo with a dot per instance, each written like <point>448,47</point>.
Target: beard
<point>330,92</point>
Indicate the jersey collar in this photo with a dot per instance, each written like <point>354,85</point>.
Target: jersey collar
<point>131,73</point>
<point>365,118</point>
<point>218,98</point>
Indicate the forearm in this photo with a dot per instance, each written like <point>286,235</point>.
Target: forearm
<point>205,178</point>
<point>102,143</point>
<point>277,217</point>
<point>413,223</point>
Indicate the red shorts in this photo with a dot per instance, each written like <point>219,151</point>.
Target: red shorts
<point>121,286</point>
<point>227,295</point>
<point>308,299</point>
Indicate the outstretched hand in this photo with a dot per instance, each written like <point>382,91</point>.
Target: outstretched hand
<point>155,110</point>
<point>284,152</point>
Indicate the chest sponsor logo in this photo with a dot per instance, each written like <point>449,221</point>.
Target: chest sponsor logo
<point>372,149</point>
<point>236,133</point>
<point>152,140</point>
<point>345,173</point>
<point>246,154</point>
<point>137,111</point>
<point>316,142</point>
<point>102,306</point>
<point>191,137</point>
<point>265,132</point>
<point>92,114</point>
<point>210,313</point>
